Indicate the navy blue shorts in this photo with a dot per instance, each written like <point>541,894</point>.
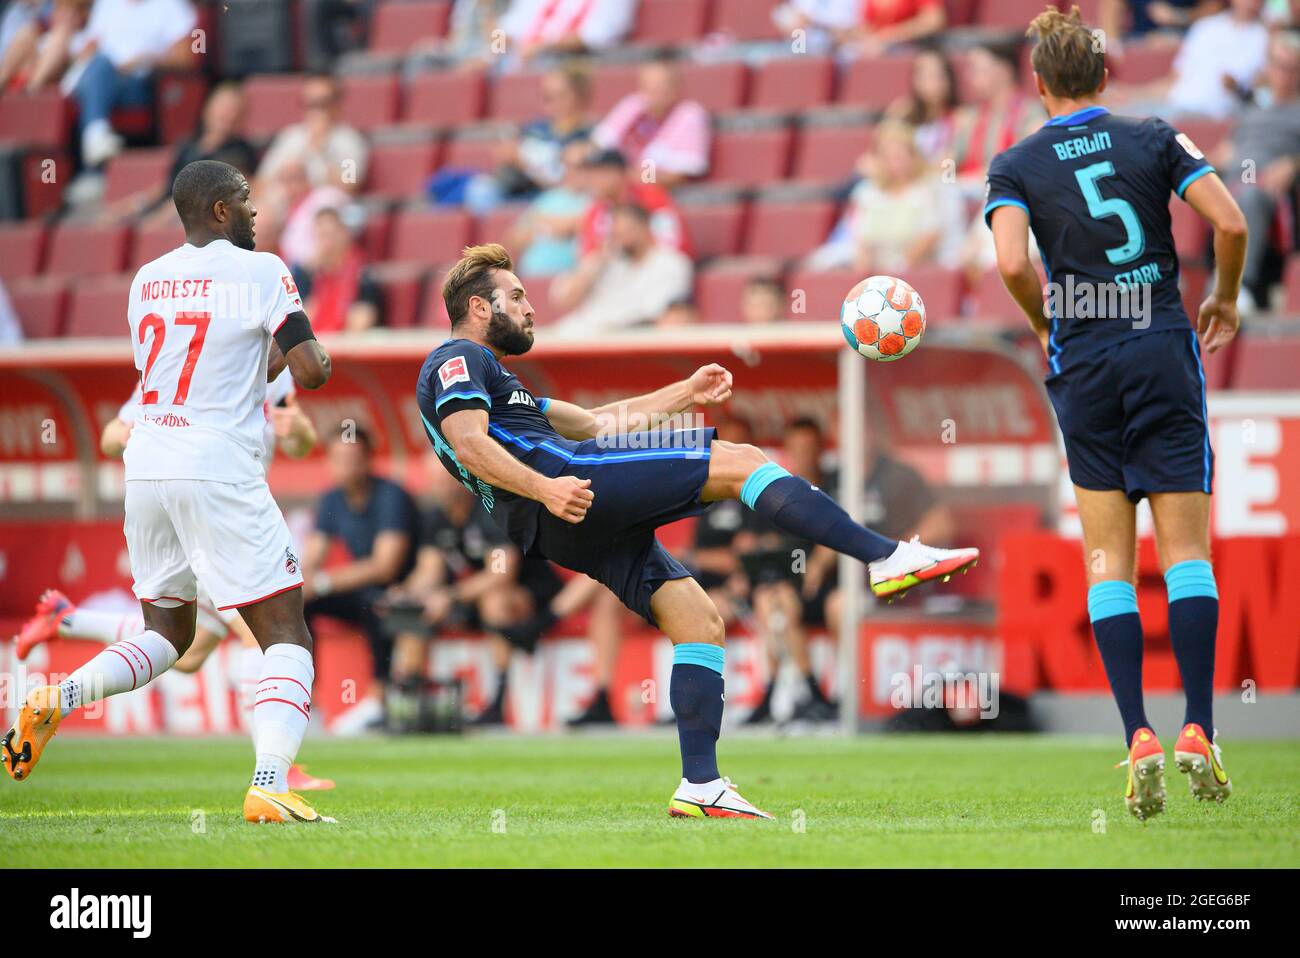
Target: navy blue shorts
<point>646,481</point>
<point>1133,416</point>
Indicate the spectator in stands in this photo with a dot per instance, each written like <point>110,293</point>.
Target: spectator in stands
<point>1214,70</point>
<point>628,282</point>
<point>124,43</point>
<point>469,33</point>
<point>889,23</point>
<point>547,28</point>
<point>533,159</point>
<point>333,27</point>
<point>287,216</point>
<point>783,609</point>
<point>468,575</point>
<point>376,523</point>
<point>930,105</point>
<point>1267,141</point>
<point>608,183</point>
<point>762,301</point>
<point>22,25</point>
<point>45,49</point>
<point>906,215</point>
<point>547,232</point>
<point>680,314</point>
<point>1000,112</point>
<point>1151,20</point>
<point>664,136</point>
<point>218,137</point>
<point>826,23</point>
<point>333,153</point>
<point>340,294</point>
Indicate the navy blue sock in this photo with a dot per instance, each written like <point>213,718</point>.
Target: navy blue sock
<point>695,693</point>
<point>1193,622</point>
<point>793,505</point>
<point>1113,609</point>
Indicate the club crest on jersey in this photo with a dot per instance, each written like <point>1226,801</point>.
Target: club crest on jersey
<point>519,396</point>
<point>290,561</point>
<point>453,370</point>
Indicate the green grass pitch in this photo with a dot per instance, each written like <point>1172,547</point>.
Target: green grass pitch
<point>601,801</point>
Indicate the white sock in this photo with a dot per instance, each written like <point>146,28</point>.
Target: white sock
<point>280,713</point>
<point>106,627</point>
<point>122,667</point>
<point>248,669</point>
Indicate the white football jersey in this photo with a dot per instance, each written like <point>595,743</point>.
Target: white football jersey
<point>201,321</point>
<point>277,390</point>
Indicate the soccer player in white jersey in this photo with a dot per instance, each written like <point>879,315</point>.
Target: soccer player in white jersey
<point>287,429</point>
<point>210,323</point>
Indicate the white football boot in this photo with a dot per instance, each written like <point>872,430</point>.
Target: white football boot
<point>715,799</point>
<point>914,562</point>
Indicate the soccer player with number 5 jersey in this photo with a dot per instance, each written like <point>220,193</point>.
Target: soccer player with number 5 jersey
<point>1125,374</point>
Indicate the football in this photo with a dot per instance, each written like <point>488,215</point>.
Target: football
<point>883,318</point>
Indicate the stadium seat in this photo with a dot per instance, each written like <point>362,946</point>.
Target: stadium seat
<point>750,157</point>
<point>876,82</point>
<point>179,104</point>
<point>670,22</point>
<point>992,304</point>
<point>86,249</point>
<point>429,235</point>
<point>401,169</point>
<point>1145,62</point>
<point>40,302</point>
<point>718,87</point>
<point>152,240</point>
<point>1191,233</point>
<point>138,171</point>
<point>40,119</point>
<point>396,27</point>
<point>1291,286</point>
<point>274,102</point>
<point>746,19</point>
<point>369,99</point>
<point>792,84</point>
<point>828,154</point>
<point>788,229</point>
<point>493,227</point>
<point>1014,15</point>
<point>1206,134</point>
<point>822,292</point>
<point>611,83</point>
<point>940,289</point>
<point>21,246</point>
<point>376,230</point>
<point>515,97</point>
<point>1267,361</point>
<point>42,194</point>
<point>433,311</point>
<point>98,306</point>
<point>719,285</point>
<point>473,149</point>
<point>444,98</point>
<point>402,286</point>
<point>714,228</point>
<point>538,289</point>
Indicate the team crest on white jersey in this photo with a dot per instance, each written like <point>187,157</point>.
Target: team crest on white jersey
<point>453,370</point>
<point>520,396</point>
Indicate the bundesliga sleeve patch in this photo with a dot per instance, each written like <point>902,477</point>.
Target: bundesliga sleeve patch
<point>453,370</point>
<point>1192,149</point>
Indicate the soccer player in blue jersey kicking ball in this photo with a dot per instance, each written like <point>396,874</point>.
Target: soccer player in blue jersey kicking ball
<point>1125,372</point>
<point>574,486</point>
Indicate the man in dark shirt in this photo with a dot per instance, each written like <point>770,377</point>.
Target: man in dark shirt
<point>378,525</point>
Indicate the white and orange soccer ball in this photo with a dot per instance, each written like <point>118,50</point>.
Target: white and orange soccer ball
<point>883,318</point>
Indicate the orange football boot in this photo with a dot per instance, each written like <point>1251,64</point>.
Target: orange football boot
<point>38,721</point>
<point>1145,795</point>
<point>1197,756</point>
<point>262,807</point>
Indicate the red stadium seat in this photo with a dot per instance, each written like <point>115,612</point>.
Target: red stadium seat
<point>1015,15</point>
<point>401,169</point>
<point>369,99</point>
<point>1191,233</point>
<point>1145,62</point>
<point>715,228</point>
<point>876,82</point>
<point>476,150</point>
<point>788,229</point>
<point>1267,361</point>
<point>41,119</point>
<point>21,246</point>
<point>940,289</point>
<point>611,83</point>
<point>396,27</point>
<point>538,289</point>
<point>828,154</point>
<point>86,249</point>
<point>98,306</point>
<point>746,19</point>
<point>992,305</point>
<point>793,83</point>
<point>1206,134</point>
<point>154,239</point>
<point>43,194</point>
<point>718,87</point>
<point>430,235</point>
<point>515,97</point>
<point>822,292</point>
<point>375,232</point>
<point>750,157</point>
<point>41,303</point>
<point>433,311</point>
<point>402,286</point>
<point>670,22</point>
<point>494,226</point>
<point>274,102</point>
<point>444,98</point>
<point>179,102</point>
<point>138,171</point>
<point>718,286</point>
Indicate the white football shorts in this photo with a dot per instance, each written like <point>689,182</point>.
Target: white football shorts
<point>229,535</point>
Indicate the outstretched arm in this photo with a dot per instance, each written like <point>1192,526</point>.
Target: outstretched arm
<point>466,431</point>
<point>707,386</point>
